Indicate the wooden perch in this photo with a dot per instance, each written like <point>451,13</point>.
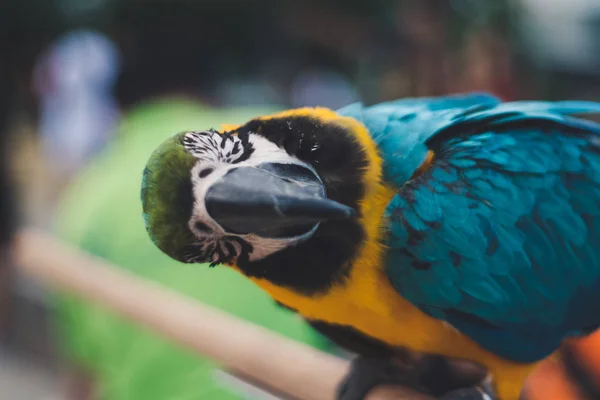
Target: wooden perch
<point>271,360</point>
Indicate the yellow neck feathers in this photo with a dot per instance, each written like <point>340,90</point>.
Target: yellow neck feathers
<point>366,275</point>
<point>366,300</point>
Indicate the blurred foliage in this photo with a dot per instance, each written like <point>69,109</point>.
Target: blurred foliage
<point>101,213</point>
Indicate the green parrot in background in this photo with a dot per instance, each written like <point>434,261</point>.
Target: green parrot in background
<point>99,214</point>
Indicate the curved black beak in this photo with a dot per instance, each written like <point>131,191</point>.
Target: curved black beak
<point>272,201</point>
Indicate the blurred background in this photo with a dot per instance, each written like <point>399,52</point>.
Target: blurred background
<point>88,88</point>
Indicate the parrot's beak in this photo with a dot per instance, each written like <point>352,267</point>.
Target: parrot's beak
<point>272,201</point>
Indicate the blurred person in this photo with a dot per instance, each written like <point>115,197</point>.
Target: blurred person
<point>74,80</point>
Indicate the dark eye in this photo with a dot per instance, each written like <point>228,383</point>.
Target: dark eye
<point>202,227</point>
<point>205,172</point>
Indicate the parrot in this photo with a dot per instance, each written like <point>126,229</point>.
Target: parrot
<point>415,232</point>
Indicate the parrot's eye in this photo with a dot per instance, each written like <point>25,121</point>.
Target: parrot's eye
<point>205,172</point>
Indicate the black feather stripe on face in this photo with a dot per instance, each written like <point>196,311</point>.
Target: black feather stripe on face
<point>314,265</point>
<point>211,146</point>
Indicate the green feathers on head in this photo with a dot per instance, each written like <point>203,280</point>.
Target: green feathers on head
<point>167,198</point>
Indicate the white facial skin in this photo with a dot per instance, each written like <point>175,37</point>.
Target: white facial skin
<point>214,160</point>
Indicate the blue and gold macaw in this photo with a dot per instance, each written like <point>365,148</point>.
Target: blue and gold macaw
<point>459,226</point>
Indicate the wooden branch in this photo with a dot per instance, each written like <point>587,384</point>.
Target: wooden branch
<point>270,359</point>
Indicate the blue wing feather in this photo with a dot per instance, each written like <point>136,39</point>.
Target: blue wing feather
<point>415,119</point>
<point>498,237</point>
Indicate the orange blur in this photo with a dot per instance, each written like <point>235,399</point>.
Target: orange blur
<point>550,381</point>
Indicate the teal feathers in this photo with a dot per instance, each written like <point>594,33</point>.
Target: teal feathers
<point>498,236</point>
